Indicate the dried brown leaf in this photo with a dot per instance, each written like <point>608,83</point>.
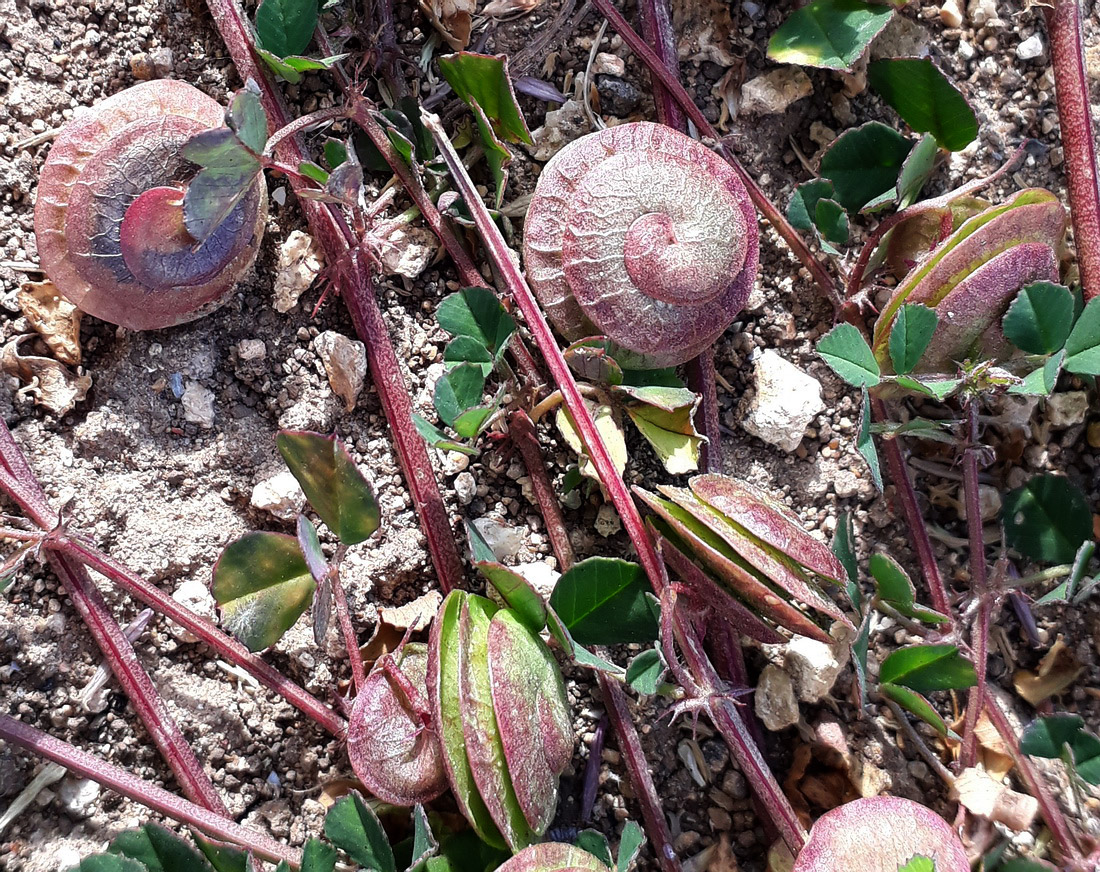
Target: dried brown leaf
<point>1057,671</point>
<point>55,318</point>
<point>984,795</point>
<point>452,18</point>
<point>50,383</point>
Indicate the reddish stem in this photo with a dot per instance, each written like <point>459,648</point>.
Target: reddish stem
<point>360,113</point>
<point>1048,805</point>
<point>907,496</point>
<point>225,646</point>
<point>352,279</point>
<point>347,630</point>
<point>741,744</point>
<point>1071,86</point>
<point>524,437</point>
<point>667,80</point>
<point>213,823</point>
<point>21,486</point>
<point>979,584</point>
<point>702,380</point>
<point>657,30</point>
<point>641,775</point>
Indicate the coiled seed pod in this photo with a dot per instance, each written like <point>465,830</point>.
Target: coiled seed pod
<point>641,234</point>
<point>109,214</point>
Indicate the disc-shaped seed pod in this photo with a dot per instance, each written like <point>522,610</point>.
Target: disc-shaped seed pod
<point>641,234</point>
<point>879,834</point>
<point>109,214</point>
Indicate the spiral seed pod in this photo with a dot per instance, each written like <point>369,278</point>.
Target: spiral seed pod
<point>109,214</point>
<point>641,234</point>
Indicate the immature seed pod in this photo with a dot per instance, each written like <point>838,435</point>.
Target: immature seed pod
<point>109,217</point>
<point>641,234</point>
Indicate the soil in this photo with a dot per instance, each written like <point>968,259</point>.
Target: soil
<point>164,494</point>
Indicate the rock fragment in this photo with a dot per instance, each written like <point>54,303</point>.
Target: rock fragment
<point>775,91</point>
<point>786,400</point>
<point>280,495</point>
<point>345,362</point>
<point>776,705</point>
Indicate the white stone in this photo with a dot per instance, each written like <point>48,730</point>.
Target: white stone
<point>251,349</point>
<point>608,64</point>
<point>773,92</point>
<point>951,13</point>
<point>981,12</point>
<point>198,404</point>
<point>300,262</point>
<point>194,595</point>
<point>465,488</point>
<point>1030,48</point>
<point>776,705</point>
<point>786,400</point>
<point>813,667</point>
<point>1067,409</point>
<point>540,575</point>
<point>77,794</point>
<point>345,362</point>
<point>607,521</point>
<point>407,251</point>
<point>504,539</point>
<point>280,495</point>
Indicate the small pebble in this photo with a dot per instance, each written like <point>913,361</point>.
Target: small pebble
<point>1030,48</point>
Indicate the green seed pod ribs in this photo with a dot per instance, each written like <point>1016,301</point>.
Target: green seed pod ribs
<point>641,234</point>
<point>109,214</point>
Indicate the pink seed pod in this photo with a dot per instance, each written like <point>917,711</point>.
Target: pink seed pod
<point>879,834</point>
<point>641,234</point>
<point>109,216</point>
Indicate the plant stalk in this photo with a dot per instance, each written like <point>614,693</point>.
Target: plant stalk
<point>618,711</point>
<point>1048,804</point>
<point>657,29</point>
<point>347,629</point>
<point>225,646</point>
<point>212,823</point>
<point>895,460</point>
<point>352,279</point>
<point>979,584</point>
<point>1071,90</point>
<point>20,485</point>
<point>729,723</point>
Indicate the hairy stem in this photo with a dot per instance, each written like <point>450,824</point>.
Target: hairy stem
<point>1048,805</point>
<point>524,437</point>
<point>641,775</point>
<point>351,276</point>
<point>657,29</point>
<point>212,823</point>
<point>300,125</point>
<point>979,584</point>
<point>1071,87</point>
<point>767,208</point>
<point>225,646</point>
<point>618,712</point>
<point>19,483</point>
<point>741,744</point>
<point>360,114</point>
<point>907,495</point>
<point>347,630</point>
